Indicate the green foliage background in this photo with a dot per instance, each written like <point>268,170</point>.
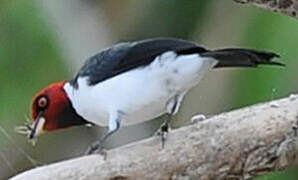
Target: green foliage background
<point>28,54</point>
<point>30,58</point>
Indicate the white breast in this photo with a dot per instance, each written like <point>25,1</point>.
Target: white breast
<point>141,94</point>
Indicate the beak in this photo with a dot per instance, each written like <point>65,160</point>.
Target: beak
<point>37,127</point>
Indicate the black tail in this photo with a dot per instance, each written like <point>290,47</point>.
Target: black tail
<point>242,58</point>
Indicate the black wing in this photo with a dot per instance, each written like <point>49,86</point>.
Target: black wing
<point>126,56</point>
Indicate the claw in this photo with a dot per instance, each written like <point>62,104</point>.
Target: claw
<point>163,138</point>
<point>163,133</point>
<point>96,148</point>
<point>91,149</point>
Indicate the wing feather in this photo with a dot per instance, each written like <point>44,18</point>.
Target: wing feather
<point>127,56</point>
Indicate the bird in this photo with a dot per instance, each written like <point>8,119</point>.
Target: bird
<point>133,82</point>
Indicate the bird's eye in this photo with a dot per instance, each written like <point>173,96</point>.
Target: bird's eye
<point>42,102</point>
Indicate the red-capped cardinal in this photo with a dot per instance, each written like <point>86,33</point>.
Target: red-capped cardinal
<point>130,83</point>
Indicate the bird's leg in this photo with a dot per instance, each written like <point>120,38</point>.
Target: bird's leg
<point>164,129</point>
<point>97,146</point>
<point>114,125</point>
<point>173,106</point>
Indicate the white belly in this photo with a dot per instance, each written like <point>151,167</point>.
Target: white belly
<point>141,94</point>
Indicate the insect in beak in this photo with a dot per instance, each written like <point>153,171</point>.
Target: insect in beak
<point>32,130</point>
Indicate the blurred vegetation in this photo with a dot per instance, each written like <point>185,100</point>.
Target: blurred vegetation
<point>169,19</point>
<point>28,53</point>
<point>286,175</point>
<point>31,57</point>
<point>276,33</point>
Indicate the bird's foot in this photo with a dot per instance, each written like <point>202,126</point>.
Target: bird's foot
<point>163,133</point>
<point>96,148</point>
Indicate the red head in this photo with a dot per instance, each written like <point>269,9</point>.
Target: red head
<point>52,110</point>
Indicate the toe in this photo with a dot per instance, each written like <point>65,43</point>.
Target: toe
<point>91,149</point>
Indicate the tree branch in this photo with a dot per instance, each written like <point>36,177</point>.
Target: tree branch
<point>288,7</point>
<point>240,144</point>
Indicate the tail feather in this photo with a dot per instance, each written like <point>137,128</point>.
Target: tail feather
<point>233,57</point>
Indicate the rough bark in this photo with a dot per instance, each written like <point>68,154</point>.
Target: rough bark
<point>288,7</point>
<point>241,144</point>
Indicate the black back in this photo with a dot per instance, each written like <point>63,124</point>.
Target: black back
<point>127,56</point>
